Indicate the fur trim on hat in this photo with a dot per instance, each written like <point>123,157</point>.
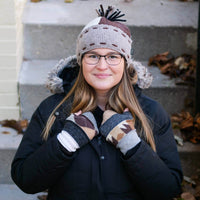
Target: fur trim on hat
<point>56,84</point>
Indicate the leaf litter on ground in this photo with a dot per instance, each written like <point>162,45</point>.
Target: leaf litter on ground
<point>187,128</point>
<point>188,125</point>
<point>182,67</point>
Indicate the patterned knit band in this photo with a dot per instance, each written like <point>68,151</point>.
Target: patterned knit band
<point>104,33</point>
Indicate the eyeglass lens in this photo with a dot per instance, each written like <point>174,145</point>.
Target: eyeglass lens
<point>111,59</point>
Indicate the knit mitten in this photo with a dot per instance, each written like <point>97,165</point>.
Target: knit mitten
<point>119,130</point>
<point>78,131</point>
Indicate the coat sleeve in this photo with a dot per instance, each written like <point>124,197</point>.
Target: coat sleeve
<point>156,175</point>
<point>37,164</point>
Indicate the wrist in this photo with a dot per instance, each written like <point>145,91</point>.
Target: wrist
<point>76,133</point>
<point>129,141</point>
<point>67,141</point>
<point>115,122</point>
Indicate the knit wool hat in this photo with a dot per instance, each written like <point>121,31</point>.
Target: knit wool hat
<point>105,32</point>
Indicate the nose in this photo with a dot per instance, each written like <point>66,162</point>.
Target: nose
<point>102,64</point>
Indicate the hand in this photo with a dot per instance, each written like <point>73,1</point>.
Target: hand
<point>115,126</point>
<point>119,130</point>
<point>82,127</point>
<point>109,113</point>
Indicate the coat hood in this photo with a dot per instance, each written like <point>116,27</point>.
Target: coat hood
<point>62,77</point>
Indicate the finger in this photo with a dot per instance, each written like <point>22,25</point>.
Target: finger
<point>126,109</point>
<point>78,113</point>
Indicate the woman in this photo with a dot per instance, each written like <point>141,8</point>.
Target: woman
<point>99,137</point>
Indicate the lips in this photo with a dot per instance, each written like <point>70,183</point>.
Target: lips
<point>102,76</point>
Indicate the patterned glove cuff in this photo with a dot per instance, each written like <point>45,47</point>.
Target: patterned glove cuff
<point>77,133</point>
<point>119,131</point>
<point>118,119</point>
<point>129,141</point>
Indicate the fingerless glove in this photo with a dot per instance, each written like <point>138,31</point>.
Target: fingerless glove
<point>78,131</point>
<point>119,130</point>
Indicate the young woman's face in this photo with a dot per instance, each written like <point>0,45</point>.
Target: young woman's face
<point>103,76</point>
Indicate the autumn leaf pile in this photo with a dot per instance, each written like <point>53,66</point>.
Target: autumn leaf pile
<point>188,125</point>
<point>183,66</point>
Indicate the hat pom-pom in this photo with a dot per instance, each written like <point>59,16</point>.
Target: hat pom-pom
<point>110,13</point>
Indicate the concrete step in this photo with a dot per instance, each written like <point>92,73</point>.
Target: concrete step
<point>8,144</point>
<point>51,27</point>
<point>12,192</point>
<point>32,90</point>
<point>189,155</point>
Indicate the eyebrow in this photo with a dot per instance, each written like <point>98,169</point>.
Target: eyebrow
<point>111,52</point>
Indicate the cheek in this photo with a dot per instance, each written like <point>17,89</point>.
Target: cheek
<point>119,76</point>
<point>120,70</point>
<point>86,71</point>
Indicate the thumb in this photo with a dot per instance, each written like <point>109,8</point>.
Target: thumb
<point>126,110</point>
<point>78,113</point>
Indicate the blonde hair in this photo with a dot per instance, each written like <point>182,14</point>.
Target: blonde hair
<point>120,97</point>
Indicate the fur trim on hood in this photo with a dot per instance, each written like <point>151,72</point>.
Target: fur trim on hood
<point>62,77</point>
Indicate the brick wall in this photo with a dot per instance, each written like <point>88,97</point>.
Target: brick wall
<point>11,52</point>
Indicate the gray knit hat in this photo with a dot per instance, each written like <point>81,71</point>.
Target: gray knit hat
<point>105,32</point>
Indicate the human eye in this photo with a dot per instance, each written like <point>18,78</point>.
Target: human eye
<point>92,56</point>
<point>114,56</point>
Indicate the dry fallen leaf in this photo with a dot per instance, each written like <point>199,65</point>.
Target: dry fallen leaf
<point>188,125</point>
<point>19,126</point>
<point>5,132</point>
<point>187,122</point>
<point>160,59</point>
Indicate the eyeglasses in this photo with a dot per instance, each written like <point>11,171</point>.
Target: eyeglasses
<point>111,59</point>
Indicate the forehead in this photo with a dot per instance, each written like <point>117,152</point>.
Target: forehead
<point>103,51</point>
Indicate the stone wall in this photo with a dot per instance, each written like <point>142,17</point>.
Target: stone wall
<point>11,53</point>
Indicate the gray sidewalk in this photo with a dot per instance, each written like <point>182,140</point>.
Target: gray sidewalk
<point>9,141</point>
<point>11,192</point>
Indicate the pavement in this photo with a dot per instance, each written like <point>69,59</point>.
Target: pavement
<point>12,192</point>
<point>9,142</point>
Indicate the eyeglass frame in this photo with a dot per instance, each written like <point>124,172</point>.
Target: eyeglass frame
<point>105,57</point>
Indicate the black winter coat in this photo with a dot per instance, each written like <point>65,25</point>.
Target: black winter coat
<point>97,171</point>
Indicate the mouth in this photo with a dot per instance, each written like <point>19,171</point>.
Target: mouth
<point>102,76</point>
